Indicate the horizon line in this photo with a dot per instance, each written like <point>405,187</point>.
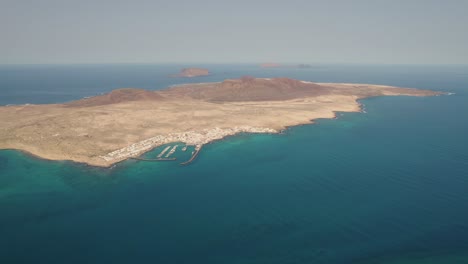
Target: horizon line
<point>229,63</point>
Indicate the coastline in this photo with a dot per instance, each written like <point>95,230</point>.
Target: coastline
<point>190,138</point>
<point>107,134</point>
<point>113,163</point>
<point>360,108</point>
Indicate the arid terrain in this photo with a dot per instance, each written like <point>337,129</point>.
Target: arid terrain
<point>125,123</point>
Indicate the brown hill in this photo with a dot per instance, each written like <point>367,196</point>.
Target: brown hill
<point>117,96</point>
<point>249,89</point>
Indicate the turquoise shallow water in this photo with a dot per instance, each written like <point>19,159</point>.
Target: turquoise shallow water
<point>388,186</point>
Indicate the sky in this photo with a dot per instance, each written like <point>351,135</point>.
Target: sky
<point>241,31</point>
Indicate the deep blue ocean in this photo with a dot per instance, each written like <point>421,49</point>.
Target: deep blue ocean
<point>387,186</point>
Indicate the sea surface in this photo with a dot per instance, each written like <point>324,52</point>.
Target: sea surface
<point>386,186</point>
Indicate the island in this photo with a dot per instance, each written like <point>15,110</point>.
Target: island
<point>125,123</point>
<point>304,66</point>
<point>270,65</point>
<point>293,66</point>
<point>192,72</point>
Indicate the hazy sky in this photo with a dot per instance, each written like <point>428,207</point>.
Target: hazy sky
<point>327,31</point>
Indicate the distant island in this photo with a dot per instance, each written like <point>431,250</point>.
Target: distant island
<point>125,123</point>
<point>192,72</point>
<point>278,65</point>
<point>270,65</point>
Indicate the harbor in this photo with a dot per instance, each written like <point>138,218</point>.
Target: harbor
<point>169,153</point>
<point>160,157</point>
<point>190,138</point>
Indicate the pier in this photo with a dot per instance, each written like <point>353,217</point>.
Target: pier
<point>194,155</point>
<point>164,151</point>
<point>172,151</point>
<point>157,159</point>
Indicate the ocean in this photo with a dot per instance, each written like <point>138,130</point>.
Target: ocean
<point>386,186</point>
